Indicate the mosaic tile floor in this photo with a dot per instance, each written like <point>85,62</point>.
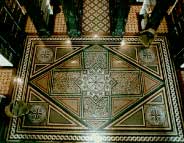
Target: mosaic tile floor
<point>96,23</point>
<point>83,89</point>
<point>96,18</point>
<point>6,78</point>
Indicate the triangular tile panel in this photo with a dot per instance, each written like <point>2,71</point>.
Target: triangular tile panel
<point>42,82</point>
<point>149,58</point>
<point>154,68</point>
<point>132,57</point>
<point>63,51</point>
<point>66,50</point>
<point>128,51</point>
<point>37,68</point>
<point>72,104</point>
<point>159,98</point>
<point>149,83</point>
<point>59,118</point>
<point>72,63</point>
<point>55,117</point>
<point>134,119</point>
<point>156,110</point>
<point>34,96</point>
<point>116,63</point>
<point>95,48</point>
<point>120,104</point>
<point>62,120</point>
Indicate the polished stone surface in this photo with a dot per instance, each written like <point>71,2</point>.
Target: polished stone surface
<point>97,88</point>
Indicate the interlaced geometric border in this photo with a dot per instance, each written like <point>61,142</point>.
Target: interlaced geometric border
<point>173,94</point>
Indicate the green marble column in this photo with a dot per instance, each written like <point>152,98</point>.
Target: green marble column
<point>73,11</point>
<point>118,14</point>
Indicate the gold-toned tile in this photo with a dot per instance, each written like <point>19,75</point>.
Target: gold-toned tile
<point>6,77</point>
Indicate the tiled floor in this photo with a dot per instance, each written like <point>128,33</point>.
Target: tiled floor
<point>96,18</point>
<point>60,24</point>
<point>6,79</point>
<point>96,23</point>
<point>95,88</point>
<point>123,92</point>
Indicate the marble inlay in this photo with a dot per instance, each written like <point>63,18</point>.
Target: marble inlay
<point>96,82</point>
<point>37,114</point>
<point>44,55</point>
<point>155,115</point>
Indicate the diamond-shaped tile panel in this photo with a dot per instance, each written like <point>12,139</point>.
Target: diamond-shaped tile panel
<point>96,17</point>
<point>111,94</point>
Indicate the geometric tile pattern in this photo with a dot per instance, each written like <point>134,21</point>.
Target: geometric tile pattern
<point>132,22</point>
<point>96,20</point>
<point>60,23</point>
<point>6,77</point>
<point>96,17</point>
<point>98,89</point>
<point>29,27</point>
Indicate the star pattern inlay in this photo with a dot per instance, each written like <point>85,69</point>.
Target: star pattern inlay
<point>96,82</point>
